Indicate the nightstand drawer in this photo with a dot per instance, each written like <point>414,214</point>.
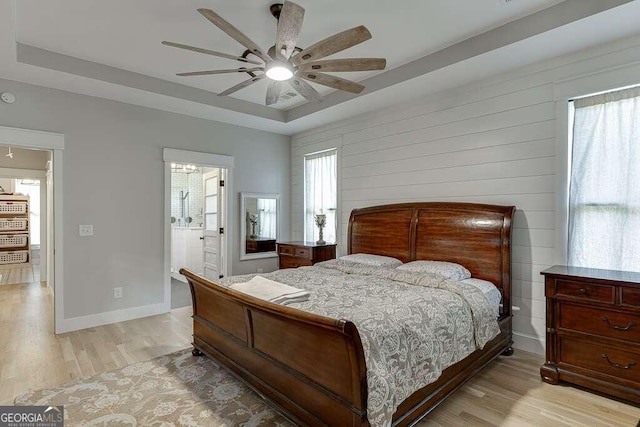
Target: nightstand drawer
<point>585,291</point>
<point>293,262</point>
<point>612,324</point>
<point>606,359</point>
<point>631,297</point>
<point>303,253</point>
<point>286,249</point>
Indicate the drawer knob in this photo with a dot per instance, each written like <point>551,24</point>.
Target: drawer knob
<point>617,365</point>
<point>617,327</point>
<point>583,291</point>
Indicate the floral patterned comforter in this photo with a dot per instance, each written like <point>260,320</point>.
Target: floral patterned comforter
<point>412,325</point>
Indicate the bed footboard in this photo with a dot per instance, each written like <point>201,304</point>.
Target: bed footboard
<point>311,366</point>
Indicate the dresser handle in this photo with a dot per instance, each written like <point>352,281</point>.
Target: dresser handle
<point>616,327</point>
<point>583,291</point>
<point>617,365</point>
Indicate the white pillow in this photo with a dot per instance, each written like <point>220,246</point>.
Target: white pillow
<point>447,269</point>
<point>372,260</point>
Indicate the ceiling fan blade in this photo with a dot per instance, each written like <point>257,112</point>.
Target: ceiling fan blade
<point>273,92</point>
<point>333,44</point>
<point>234,33</point>
<point>305,89</point>
<point>210,52</point>
<point>209,72</point>
<point>289,25</point>
<point>332,81</point>
<point>241,85</point>
<point>351,64</point>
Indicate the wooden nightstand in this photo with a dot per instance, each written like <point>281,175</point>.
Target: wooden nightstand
<point>298,254</point>
<point>593,329</point>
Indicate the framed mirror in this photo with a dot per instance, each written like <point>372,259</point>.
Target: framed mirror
<point>259,225</point>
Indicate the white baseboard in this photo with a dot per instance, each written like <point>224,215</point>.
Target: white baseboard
<point>529,343</point>
<point>106,318</point>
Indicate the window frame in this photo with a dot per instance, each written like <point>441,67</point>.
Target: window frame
<point>337,150</point>
<point>565,91</point>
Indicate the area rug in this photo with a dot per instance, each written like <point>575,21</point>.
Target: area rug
<point>172,390</point>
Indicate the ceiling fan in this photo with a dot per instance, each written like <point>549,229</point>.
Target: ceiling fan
<point>284,61</point>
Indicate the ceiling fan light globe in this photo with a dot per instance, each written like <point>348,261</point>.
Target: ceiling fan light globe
<point>279,71</point>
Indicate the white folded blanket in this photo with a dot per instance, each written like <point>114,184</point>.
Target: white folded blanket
<point>263,288</point>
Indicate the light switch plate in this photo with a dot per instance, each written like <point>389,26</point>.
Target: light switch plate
<point>85,230</point>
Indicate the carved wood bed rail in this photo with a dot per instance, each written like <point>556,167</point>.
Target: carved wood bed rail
<point>313,367</point>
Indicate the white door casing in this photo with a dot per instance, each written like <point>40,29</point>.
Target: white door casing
<point>225,163</point>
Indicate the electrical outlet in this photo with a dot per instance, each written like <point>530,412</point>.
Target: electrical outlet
<point>85,230</point>
<point>260,270</point>
<point>117,292</point>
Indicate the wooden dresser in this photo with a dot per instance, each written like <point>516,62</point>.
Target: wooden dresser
<point>298,254</point>
<point>593,330</point>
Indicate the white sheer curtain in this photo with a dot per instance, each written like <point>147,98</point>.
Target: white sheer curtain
<point>267,218</point>
<point>321,193</point>
<point>604,193</point>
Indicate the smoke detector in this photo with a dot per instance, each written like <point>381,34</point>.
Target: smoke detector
<point>8,97</point>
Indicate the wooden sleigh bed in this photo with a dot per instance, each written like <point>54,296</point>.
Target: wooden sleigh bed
<point>312,367</point>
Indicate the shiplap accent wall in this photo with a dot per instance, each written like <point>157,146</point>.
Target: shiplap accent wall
<point>494,141</point>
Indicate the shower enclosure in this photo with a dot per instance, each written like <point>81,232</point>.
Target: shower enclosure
<point>186,219</point>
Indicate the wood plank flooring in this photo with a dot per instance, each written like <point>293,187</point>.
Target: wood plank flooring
<point>507,393</point>
<point>15,274</point>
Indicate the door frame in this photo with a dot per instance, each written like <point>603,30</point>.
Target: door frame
<point>54,142</point>
<point>171,155</point>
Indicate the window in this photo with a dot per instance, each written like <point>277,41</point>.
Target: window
<point>604,192</point>
<point>31,187</point>
<point>267,218</point>
<point>321,193</point>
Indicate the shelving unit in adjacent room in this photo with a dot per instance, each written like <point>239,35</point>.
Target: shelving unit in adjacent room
<point>15,244</point>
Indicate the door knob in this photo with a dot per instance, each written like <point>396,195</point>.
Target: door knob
<point>201,237</point>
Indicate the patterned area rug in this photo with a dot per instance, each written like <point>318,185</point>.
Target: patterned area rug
<point>172,390</point>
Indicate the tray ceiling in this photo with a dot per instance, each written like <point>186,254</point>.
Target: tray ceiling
<point>81,36</point>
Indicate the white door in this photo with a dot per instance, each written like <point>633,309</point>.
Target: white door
<point>212,225</point>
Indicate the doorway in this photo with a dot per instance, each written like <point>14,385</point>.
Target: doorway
<point>24,216</point>
<point>53,145</point>
<point>197,201</point>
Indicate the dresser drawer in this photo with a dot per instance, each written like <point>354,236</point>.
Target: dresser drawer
<point>602,358</point>
<point>612,324</point>
<point>585,291</point>
<point>630,297</point>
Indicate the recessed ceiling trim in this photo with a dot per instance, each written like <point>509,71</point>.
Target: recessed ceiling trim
<point>516,31</point>
<point>68,64</point>
<point>531,25</point>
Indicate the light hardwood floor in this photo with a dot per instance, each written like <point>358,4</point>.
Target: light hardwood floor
<point>507,393</point>
<point>10,275</point>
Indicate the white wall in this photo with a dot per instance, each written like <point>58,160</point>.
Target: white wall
<point>495,141</point>
<point>113,179</point>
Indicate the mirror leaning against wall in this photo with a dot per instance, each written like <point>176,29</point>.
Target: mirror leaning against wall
<point>259,225</point>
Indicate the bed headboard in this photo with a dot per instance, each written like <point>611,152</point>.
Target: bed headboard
<point>473,235</point>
